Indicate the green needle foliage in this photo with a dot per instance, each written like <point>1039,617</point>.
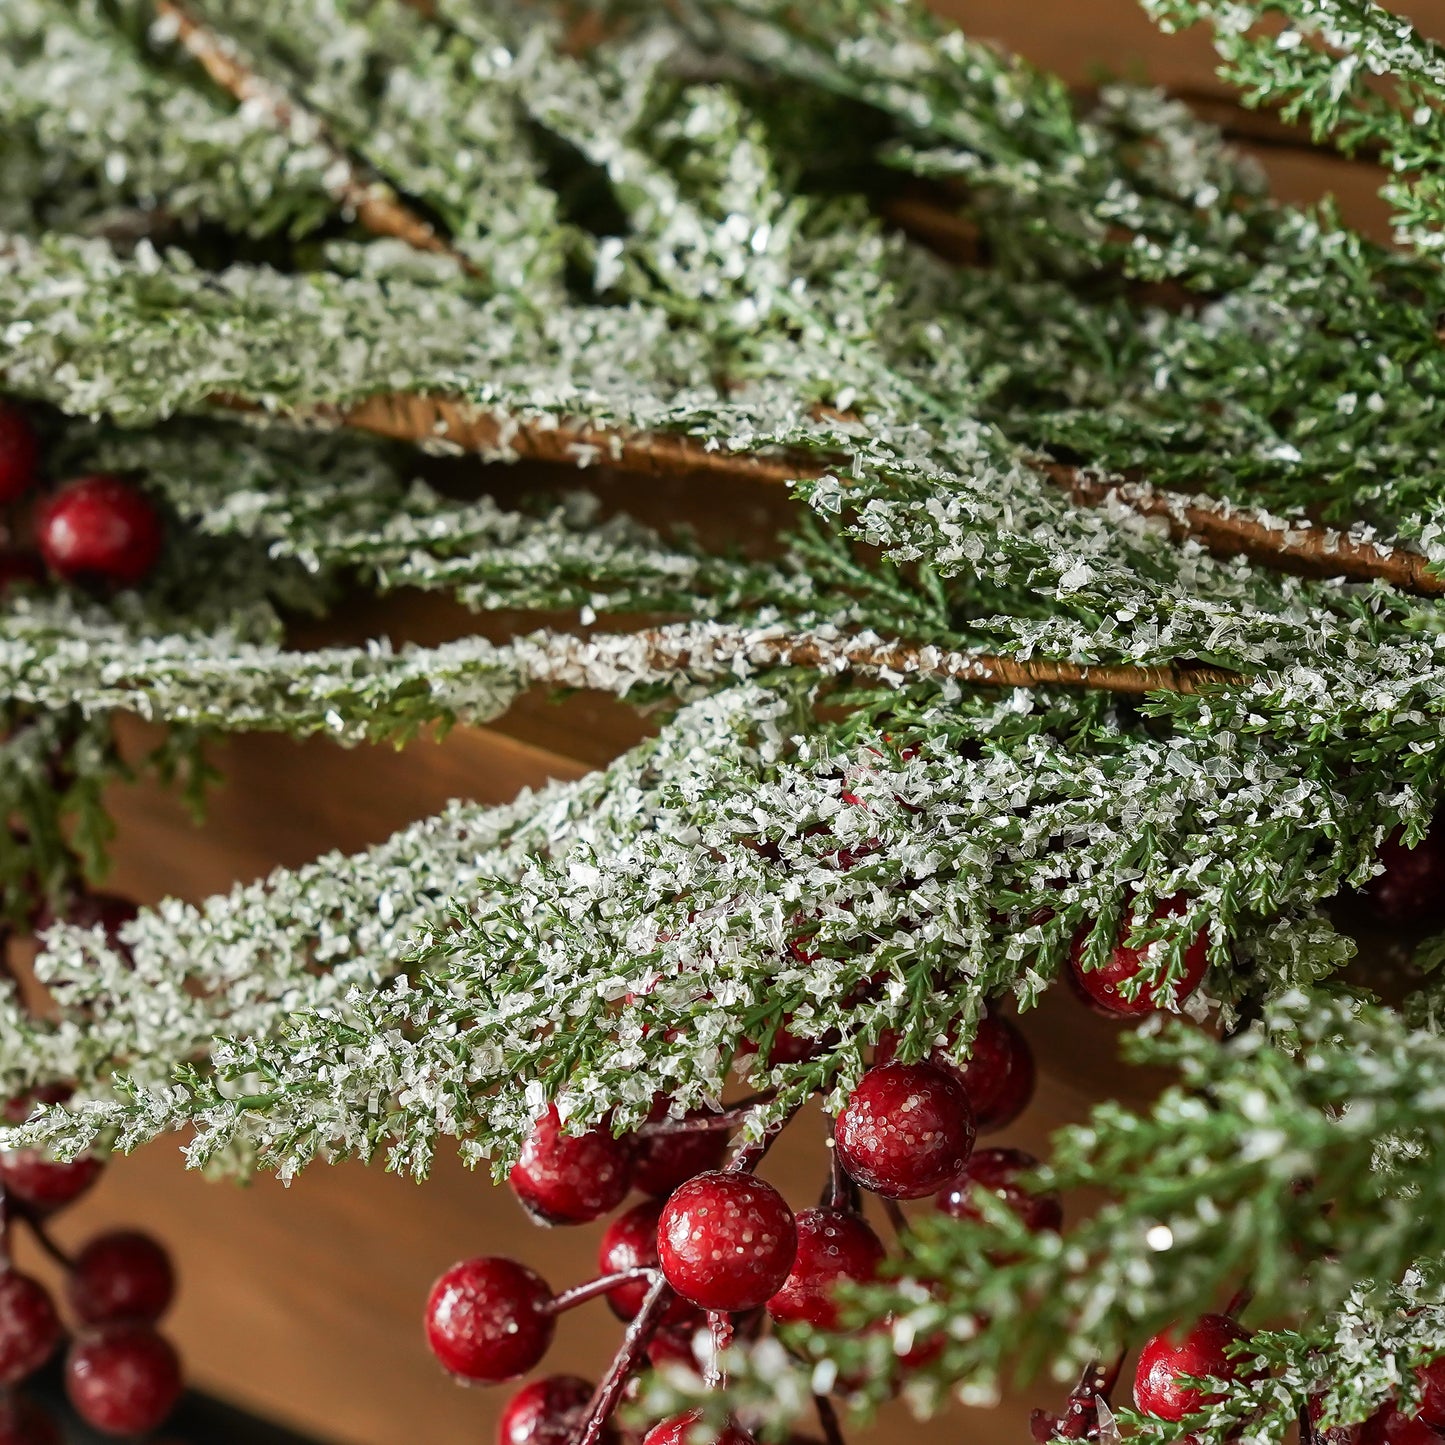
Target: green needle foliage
<point>676,244</point>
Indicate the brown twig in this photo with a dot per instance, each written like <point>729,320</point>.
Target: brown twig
<point>747,1157</point>
<point>375,205</point>
<point>1292,545</point>
<point>681,650</point>
<point>36,1224</point>
<point>608,1394</point>
<point>828,1419</point>
<point>569,1299</point>
<point>728,1118</point>
<point>1300,546</point>
<point>1080,1420</point>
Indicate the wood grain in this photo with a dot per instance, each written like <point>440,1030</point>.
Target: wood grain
<point>304,1303</point>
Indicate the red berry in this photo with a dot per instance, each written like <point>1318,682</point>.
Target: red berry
<point>1168,1358</point>
<point>1101,987</point>
<point>489,1319</point>
<point>832,1245</point>
<point>23,1422</point>
<point>19,453</point>
<point>123,1275</point>
<point>906,1131</point>
<point>683,1430</point>
<point>1432,1393</point>
<point>45,1183</point>
<point>1389,1426</point>
<point>22,1106</point>
<point>123,1379</point>
<point>100,529</point>
<point>29,1326</point>
<point>630,1242</point>
<point>726,1241</point>
<point>107,911</point>
<point>999,1075</point>
<point>673,1344</point>
<point>570,1180</point>
<point>20,568</point>
<point>997,1172</point>
<point>549,1412</point>
<point>660,1162</point>
<point>1335,1434</point>
<point>1411,890</point>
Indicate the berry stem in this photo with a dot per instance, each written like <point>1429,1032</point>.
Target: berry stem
<point>44,1238</point>
<point>609,1389</point>
<point>828,1420</point>
<point>1081,1414</point>
<point>1238,1304</point>
<point>604,1284</point>
<point>1307,1435</point>
<point>728,1118</point>
<point>722,1336</point>
<point>896,1217</point>
<point>840,1192</point>
<point>748,1156</point>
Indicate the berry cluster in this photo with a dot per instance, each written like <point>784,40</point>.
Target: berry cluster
<point>122,1376</point>
<point>99,530</point>
<point>1171,1364</point>
<point>715,1247</point>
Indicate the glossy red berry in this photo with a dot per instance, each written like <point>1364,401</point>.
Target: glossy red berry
<point>1169,1357</point>
<point>1333,1434</point>
<point>563,1179</point>
<point>1432,1393</point>
<point>549,1412</point>
<point>726,1241</point>
<point>1102,987</point>
<point>123,1275</point>
<point>672,1345</point>
<point>123,1379</point>
<point>23,1422</point>
<point>29,1326</point>
<point>19,453</point>
<point>47,1184</point>
<point>1411,889</point>
<point>630,1242</point>
<point>999,1075</point>
<point>660,1162</point>
<point>906,1130</point>
<point>100,529</point>
<point>833,1245</point>
<point>997,1172</point>
<point>1389,1426</point>
<point>489,1319</point>
<point>684,1430</point>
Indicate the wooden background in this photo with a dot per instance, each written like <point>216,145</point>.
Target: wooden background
<point>304,1304</point>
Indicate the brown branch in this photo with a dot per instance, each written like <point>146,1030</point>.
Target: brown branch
<point>1230,531</point>
<point>721,649</point>
<point>376,207</point>
<point>1292,545</point>
<point>1297,546</point>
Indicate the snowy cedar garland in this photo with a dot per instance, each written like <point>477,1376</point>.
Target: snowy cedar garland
<point>1110,650</point>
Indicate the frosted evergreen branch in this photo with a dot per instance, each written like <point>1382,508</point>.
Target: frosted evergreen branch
<point>1322,67</point>
<point>93,132</point>
<point>50,658</point>
<point>786,853</point>
<point>441,116</point>
<point>334,502</point>
<point>375,206</point>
